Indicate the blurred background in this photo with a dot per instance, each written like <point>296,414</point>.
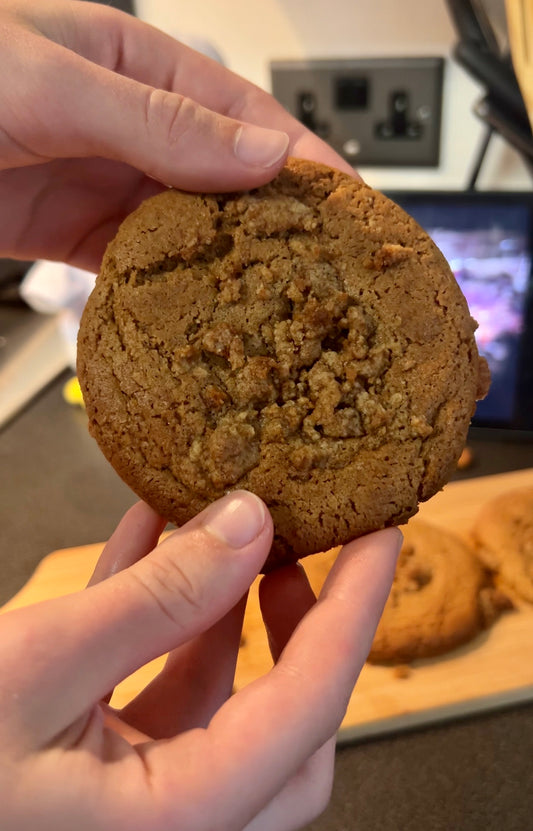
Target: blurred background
<point>251,36</point>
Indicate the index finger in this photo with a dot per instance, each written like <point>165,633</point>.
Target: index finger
<point>262,735</point>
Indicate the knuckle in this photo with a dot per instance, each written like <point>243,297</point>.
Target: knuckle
<point>321,695</point>
<point>169,115</point>
<point>249,104</point>
<point>168,584</point>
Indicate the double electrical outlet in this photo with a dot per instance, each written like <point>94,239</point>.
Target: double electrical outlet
<point>376,111</point>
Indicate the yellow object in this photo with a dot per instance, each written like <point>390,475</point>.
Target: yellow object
<point>520,26</point>
<point>72,393</point>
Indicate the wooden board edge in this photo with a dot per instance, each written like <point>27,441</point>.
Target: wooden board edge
<point>434,716</point>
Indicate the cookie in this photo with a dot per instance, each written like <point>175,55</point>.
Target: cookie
<point>440,598</point>
<point>503,540</point>
<point>305,340</point>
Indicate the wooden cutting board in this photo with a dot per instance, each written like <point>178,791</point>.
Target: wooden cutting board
<point>494,670</point>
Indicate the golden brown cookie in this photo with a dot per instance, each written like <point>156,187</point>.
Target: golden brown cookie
<point>440,598</point>
<point>305,340</point>
<point>503,540</point>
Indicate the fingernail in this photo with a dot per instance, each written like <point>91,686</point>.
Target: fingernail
<point>259,147</point>
<point>236,519</point>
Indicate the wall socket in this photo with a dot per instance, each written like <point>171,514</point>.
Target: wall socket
<point>375,111</point>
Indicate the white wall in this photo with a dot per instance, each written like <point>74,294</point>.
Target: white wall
<point>250,33</point>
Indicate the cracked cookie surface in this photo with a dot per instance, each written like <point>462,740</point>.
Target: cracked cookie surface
<point>305,340</point>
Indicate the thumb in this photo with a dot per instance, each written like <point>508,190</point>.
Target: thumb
<point>176,140</point>
<point>78,647</point>
<point>170,137</point>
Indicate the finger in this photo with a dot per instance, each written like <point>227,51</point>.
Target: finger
<point>262,735</point>
<point>198,677</point>
<point>132,48</point>
<point>100,111</point>
<point>304,797</point>
<point>135,536</point>
<point>196,680</point>
<point>82,645</point>
<point>285,596</point>
<point>93,196</point>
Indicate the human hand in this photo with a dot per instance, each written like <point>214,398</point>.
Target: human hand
<point>96,105</point>
<point>186,754</point>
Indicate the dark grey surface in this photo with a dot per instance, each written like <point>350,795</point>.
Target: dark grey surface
<point>57,490</point>
<point>473,775</point>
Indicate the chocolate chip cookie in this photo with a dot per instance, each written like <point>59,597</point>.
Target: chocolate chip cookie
<point>305,340</point>
<point>503,539</point>
<point>440,598</point>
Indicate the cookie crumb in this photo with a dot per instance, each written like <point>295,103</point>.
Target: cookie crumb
<point>466,459</point>
<point>402,671</point>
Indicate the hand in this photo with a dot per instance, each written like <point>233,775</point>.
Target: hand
<point>186,753</point>
<point>95,102</point>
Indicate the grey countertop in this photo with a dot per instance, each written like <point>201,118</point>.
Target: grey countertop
<point>475,773</point>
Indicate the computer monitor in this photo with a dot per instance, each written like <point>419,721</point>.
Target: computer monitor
<point>487,239</point>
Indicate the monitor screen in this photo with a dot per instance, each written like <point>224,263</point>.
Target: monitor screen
<point>487,241</point>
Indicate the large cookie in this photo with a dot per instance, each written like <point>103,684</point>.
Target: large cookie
<point>503,538</point>
<point>306,341</point>
<point>440,598</point>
